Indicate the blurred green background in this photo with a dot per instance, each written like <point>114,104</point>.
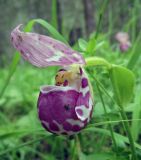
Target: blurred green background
<point>21,135</point>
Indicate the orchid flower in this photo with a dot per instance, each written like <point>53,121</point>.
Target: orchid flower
<point>66,107</point>
<point>123,39</point>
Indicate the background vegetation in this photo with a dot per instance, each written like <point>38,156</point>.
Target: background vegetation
<point>88,26</point>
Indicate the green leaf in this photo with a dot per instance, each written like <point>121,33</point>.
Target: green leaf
<point>22,145</point>
<point>135,53</point>
<point>91,45</point>
<point>104,156</point>
<point>101,156</point>
<point>123,84</point>
<point>92,128</point>
<point>99,45</point>
<point>136,115</point>
<point>48,26</point>
<point>82,156</point>
<point>82,44</point>
<point>54,14</point>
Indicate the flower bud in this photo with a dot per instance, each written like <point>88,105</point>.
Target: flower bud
<point>123,39</point>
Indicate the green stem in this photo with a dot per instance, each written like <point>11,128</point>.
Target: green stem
<point>125,122</point>
<point>108,119</point>
<point>54,14</point>
<point>116,121</point>
<point>76,150</point>
<point>12,69</point>
<point>73,150</point>
<point>97,61</point>
<point>128,132</point>
<point>78,144</point>
<point>104,90</point>
<point>102,140</point>
<point>105,3</point>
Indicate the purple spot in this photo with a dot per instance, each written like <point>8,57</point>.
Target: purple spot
<point>20,38</point>
<point>80,112</point>
<point>81,72</point>
<point>67,126</point>
<point>21,51</point>
<point>84,82</point>
<point>16,45</point>
<point>62,50</point>
<point>53,46</point>
<point>53,127</point>
<point>65,83</point>
<point>50,42</point>
<point>76,128</point>
<point>67,107</point>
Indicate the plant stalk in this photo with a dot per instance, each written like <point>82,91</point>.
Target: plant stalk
<point>128,132</point>
<point>125,122</point>
<point>108,119</point>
